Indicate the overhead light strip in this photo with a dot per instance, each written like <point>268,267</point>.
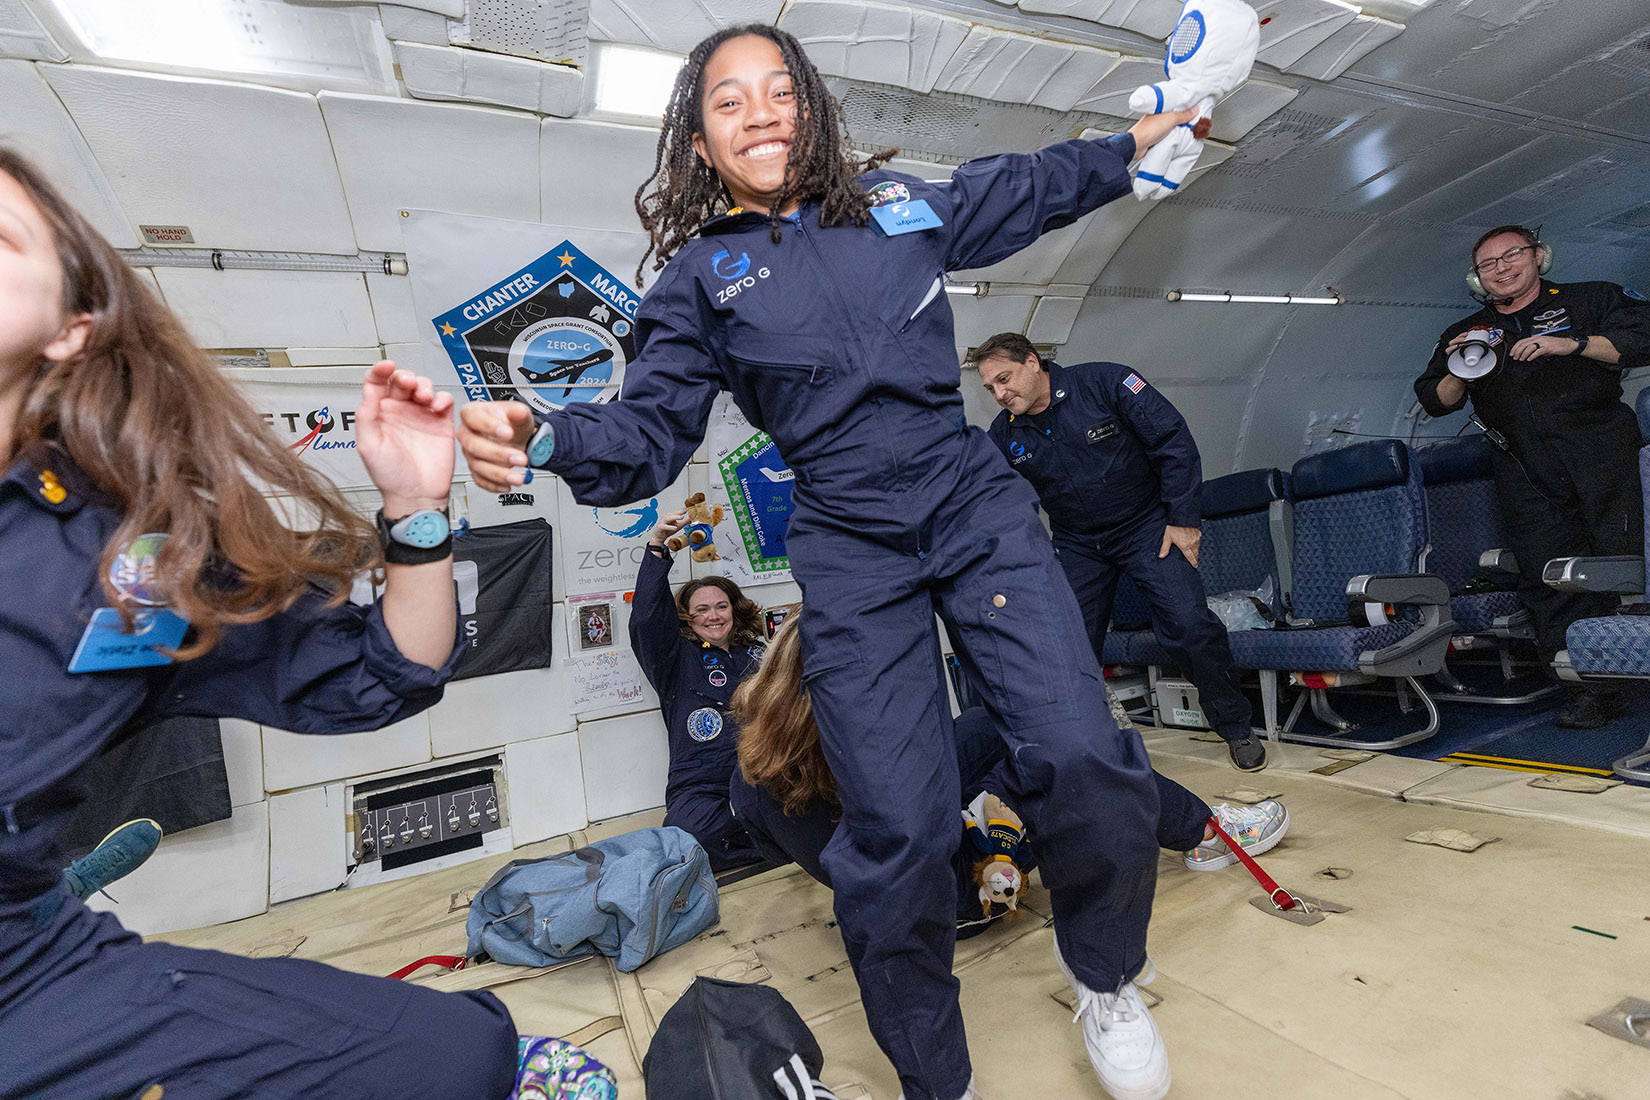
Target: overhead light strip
<point>1334,299</point>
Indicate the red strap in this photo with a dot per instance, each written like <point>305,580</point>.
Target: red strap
<point>1265,880</point>
<point>452,962</point>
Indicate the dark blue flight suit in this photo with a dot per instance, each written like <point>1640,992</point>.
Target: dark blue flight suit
<point>695,681</point>
<point>839,343</point>
<point>1114,464</point>
<point>86,1008</point>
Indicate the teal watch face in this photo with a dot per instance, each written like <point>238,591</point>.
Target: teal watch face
<point>424,530</point>
<point>541,446</point>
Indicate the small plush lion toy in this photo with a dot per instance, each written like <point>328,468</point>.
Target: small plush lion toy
<point>698,534</point>
<point>998,835</point>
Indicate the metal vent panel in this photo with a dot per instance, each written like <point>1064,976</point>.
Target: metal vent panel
<point>549,30</point>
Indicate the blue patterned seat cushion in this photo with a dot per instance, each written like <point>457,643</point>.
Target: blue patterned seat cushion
<point>1618,644</point>
<point>1333,648</point>
<point>1115,649</point>
<point>1463,520</point>
<point>1475,614</point>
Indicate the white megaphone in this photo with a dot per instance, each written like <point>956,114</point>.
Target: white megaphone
<point>1476,358</point>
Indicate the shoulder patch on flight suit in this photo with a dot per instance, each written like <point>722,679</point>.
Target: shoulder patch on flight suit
<point>705,724</point>
<point>1134,382</point>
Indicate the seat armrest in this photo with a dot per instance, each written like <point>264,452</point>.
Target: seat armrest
<point>1620,576</point>
<point>1498,561</point>
<point>1412,588</point>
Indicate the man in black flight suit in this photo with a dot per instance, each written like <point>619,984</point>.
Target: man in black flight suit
<point>1564,467</point>
<point>1118,473</point>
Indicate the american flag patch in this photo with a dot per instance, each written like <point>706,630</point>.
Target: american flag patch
<point>1135,383</point>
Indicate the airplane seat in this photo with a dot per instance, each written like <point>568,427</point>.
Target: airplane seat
<point>1129,614</point>
<point>1237,553</point>
<point>1360,527</point>
<point>1612,646</point>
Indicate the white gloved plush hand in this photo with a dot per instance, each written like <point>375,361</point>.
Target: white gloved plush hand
<point>1209,55</point>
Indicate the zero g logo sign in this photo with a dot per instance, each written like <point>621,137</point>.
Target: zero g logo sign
<point>736,273</point>
<point>728,268</point>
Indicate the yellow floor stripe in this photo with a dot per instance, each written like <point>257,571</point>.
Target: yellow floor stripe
<point>1524,765</point>
<point>1502,767</point>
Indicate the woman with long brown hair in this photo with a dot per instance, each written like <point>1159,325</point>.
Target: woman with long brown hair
<point>695,650</point>
<point>145,575</point>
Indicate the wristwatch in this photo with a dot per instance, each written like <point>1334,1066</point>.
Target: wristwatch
<point>423,536</point>
<point>1581,345</point>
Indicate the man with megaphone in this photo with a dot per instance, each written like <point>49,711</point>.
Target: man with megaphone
<point>1542,362</point>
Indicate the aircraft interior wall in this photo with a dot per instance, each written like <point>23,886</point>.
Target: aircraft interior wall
<point>1368,152</point>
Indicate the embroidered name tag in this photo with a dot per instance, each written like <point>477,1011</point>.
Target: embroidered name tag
<point>906,217</point>
<point>1103,430</point>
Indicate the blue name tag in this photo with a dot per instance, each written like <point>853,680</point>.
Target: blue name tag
<point>105,647</point>
<point>906,217</point>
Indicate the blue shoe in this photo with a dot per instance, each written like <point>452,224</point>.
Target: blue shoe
<point>117,855</point>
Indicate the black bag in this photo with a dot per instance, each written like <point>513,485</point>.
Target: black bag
<point>503,578</point>
<point>727,1041</point>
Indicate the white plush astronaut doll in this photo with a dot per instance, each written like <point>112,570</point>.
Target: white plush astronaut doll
<point>1209,55</point>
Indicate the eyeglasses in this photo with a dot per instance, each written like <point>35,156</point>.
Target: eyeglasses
<point>1508,257</point>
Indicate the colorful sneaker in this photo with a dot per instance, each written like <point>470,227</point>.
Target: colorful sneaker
<point>1258,828</point>
<point>1125,1047</point>
<point>116,856</point>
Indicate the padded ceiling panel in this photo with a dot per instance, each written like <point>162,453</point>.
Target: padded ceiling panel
<point>396,154</point>
<point>1103,233</point>
<point>978,318</point>
<point>1194,247</point>
<point>875,42</point>
<point>243,167</point>
<point>571,194</point>
<point>1153,18</point>
<point>270,309</point>
<point>1037,263</point>
<point>1593,87</point>
<point>1018,68</point>
<point>1290,28</point>
<point>413,24</point>
<point>36,124</point>
<point>1335,54</point>
<point>471,76</point>
<point>940,126</point>
<point>22,36</point>
<point>676,25</point>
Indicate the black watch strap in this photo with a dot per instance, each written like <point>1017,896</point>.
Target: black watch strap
<point>399,553</point>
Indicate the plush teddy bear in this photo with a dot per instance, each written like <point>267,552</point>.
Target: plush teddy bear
<point>1209,55</point>
<point>998,835</point>
<point>698,533</point>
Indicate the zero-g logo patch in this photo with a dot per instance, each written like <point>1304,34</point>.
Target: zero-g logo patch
<point>728,268</point>
<point>889,192</point>
<point>704,724</point>
<point>556,332</point>
<point>644,516</point>
<point>1017,453</point>
<point>1103,430</point>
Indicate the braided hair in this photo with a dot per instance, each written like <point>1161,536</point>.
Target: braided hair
<point>684,192</point>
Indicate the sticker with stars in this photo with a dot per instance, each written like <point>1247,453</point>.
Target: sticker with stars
<point>556,332</point>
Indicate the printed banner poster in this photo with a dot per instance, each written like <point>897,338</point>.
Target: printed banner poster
<point>312,410</point>
<point>602,548</point>
<point>753,484</point>
<point>527,312</point>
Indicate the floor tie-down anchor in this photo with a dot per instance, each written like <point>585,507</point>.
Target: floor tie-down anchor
<point>1294,907</point>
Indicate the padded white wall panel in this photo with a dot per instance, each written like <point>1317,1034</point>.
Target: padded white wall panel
<point>625,762</point>
<point>1052,318</point>
<point>307,851</point>
<point>875,42</point>
<point>22,36</point>
<point>545,780</point>
<point>1291,28</point>
<point>978,318</point>
<point>1335,54</point>
<point>677,25</point>
<point>36,123</point>
<point>409,24</point>
<point>411,356</point>
<point>1110,94</point>
<point>1036,263</point>
<point>394,155</point>
<point>243,760</point>
<point>1103,233</point>
<point>488,711</point>
<point>1017,68</point>
<point>472,76</point>
<point>393,312</point>
<point>589,172</point>
<point>265,309</point>
<point>243,167</point>
<point>1153,18</point>
<point>301,760</point>
<point>208,875</point>
<point>1249,106</point>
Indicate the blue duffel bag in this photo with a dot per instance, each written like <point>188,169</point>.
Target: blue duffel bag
<point>630,897</point>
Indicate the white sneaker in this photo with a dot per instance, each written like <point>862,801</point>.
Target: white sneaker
<point>1125,1048</point>
<point>1257,828</point>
